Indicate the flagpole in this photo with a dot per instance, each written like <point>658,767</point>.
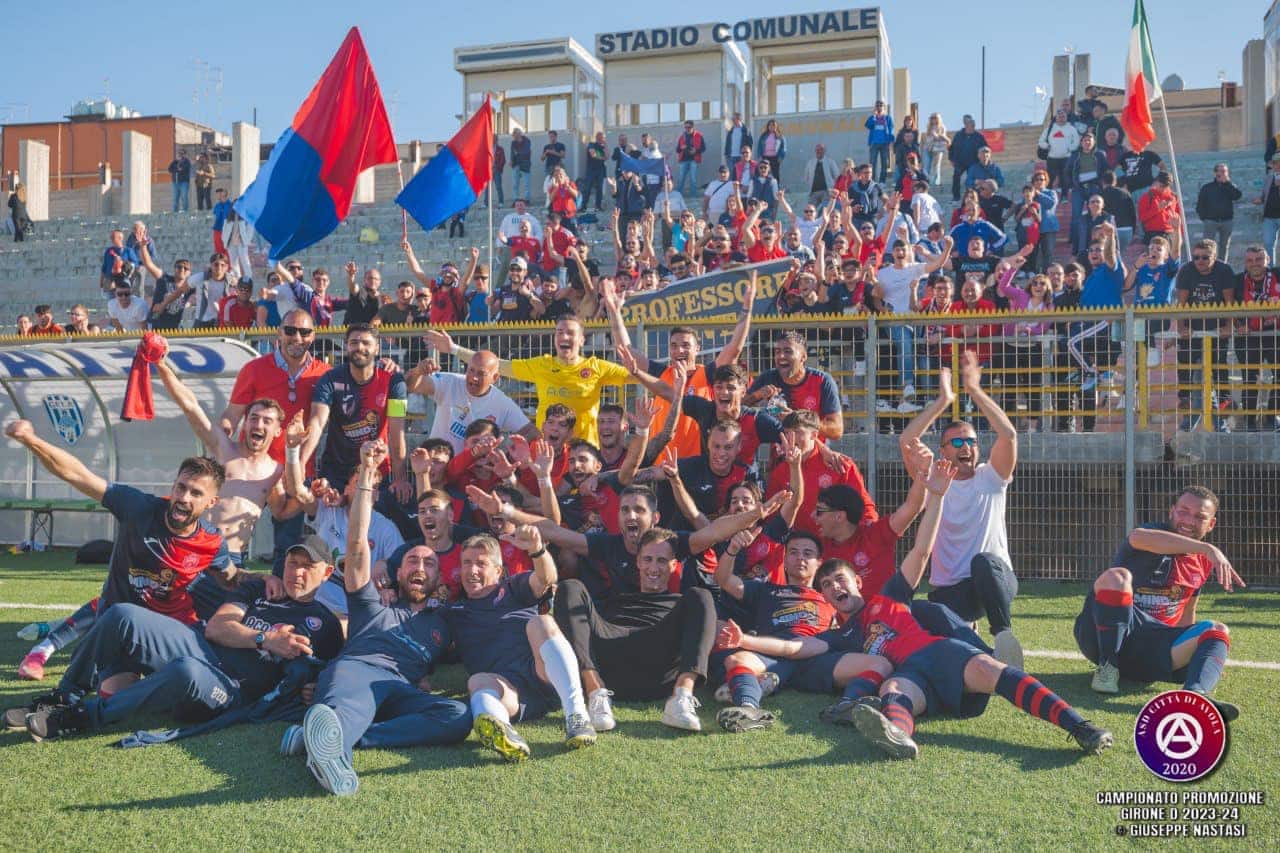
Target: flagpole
<point>1177,182</point>
<point>489,193</point>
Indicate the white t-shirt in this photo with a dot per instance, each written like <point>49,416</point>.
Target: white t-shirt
<point>216,290</point>
<point>718,194</point>
<point>925,210</point>
<point>456,409</point>
<point>807,228</point>
<point>330,524</point>
<point>972,522</point>
<point>897,284</point>
<point>133,318</point>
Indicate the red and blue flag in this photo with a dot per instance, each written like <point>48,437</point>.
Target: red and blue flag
<point>341,129</point>
<point>454,178</point>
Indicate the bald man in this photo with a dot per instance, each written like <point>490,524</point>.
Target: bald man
<point>463,398</point>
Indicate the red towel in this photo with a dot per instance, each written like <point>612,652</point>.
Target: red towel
<point>138,402</point>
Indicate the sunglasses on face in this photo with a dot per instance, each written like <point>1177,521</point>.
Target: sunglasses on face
<point>300,331</point>
<point>1200,257</point>
<point>961,441</point>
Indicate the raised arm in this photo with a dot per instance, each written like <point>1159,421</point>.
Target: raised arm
<point>920,424</point>
<point>541,460</point>
<point>215,440</point>
<point>412,260</point>
<point>938,261</point>
<point>941,473</point>
<point>295,486</point>
<point>356,567</point>
<point>1172,544</point>
<point>57,461</point>
<point>742,331</point>
<point>1004,454</point>
<point>144,255</point>
<point>793,458</point>
<point>528,538</point>
<point>652,384</point>
<point>441,342</point>
<point>917,458</point>
<point>726,526</point>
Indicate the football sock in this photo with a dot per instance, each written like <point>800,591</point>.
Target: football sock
<point>863,684</point>
<point>1030,695</point>
<point>45,649</point>
<point>487,702</point>
<point>1111,610</point>
<point>1207,662</point>
<point>897,708</point>
<point>74,626</point>
<point>562,672</point>
<point>745,687</point>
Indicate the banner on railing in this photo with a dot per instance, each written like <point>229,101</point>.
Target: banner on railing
<point>706,297</point>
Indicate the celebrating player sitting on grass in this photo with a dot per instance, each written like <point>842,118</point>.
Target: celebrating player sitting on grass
<point>518,660</point>
<point>1139,620</point>
<point>369,696</point>
<point>931,673</point>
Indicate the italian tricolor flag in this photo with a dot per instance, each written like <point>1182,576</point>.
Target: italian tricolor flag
<point>1140,84</point>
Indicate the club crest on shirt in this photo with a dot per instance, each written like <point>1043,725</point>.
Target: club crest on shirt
<point>314,623</point>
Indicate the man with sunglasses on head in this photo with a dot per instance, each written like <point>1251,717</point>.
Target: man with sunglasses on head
<point>288,375</point>
<point>970,570</point>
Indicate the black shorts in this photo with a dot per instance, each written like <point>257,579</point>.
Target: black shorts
<point>536,697</point>
<point>938,670</point>
<point>1147,653</point>
<point>811,675</point>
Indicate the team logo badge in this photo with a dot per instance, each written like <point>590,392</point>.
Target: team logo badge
<point>1180,736</point>
<point>314,623</point>
<point>65,415</point>
<point>585,373</point>
<point>191,561</point>
<point>861,559</point>
<point>824,480</point>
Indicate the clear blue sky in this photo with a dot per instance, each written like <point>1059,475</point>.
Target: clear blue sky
<point>272,51</point>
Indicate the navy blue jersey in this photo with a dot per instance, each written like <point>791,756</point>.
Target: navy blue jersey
<point>1164,585</point>
<point>357,413</point>
<point>708,489</point>
<point>817,391</point>
<point>151,566</point>
<point>393,637</point>
<point>258,670</point>
<point>489,632</point>
<point>758,427</point>
<point>786,610</point>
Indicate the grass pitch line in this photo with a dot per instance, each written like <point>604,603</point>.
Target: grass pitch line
<point>12,605</point>
<point>1054,654</point>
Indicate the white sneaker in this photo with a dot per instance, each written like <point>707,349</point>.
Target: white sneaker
<point>681,712</point>
<point>884,406</point>
<point>1007,649</point>
<point>908,407</point>
<point>600,710</point>
<point>723,694</point>
<point>908,391</point>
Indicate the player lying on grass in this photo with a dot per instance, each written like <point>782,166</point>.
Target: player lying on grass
<point>369,696</point>
<point>1139,620</point>
<point>195,672</point>
<point>869,548</point>
<point>931,673</point>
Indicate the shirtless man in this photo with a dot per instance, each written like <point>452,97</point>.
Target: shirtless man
<point>253,477</point>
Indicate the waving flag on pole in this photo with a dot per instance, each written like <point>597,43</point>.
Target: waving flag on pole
<point>1140,84</point>
<point>341,129</point>
<point>452,181</point>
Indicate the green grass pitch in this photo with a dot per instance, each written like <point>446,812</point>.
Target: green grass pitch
<point>1002,781</point>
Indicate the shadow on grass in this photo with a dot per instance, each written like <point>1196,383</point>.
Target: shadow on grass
<point>1026,757</point>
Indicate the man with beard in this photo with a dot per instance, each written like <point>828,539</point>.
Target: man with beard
<point>197,674</point>
<point>609,426</point>
<point>971,571</point>
<point>800,387</point>
<point>567,377</point>
<point>442,536</point>
<point>369,696</point>
<point>464,399</point>
<point>358,402</point>
<point>161,546</point>
<point>287,375</point>
<point>683,345</point>
<point>1139,620</point>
